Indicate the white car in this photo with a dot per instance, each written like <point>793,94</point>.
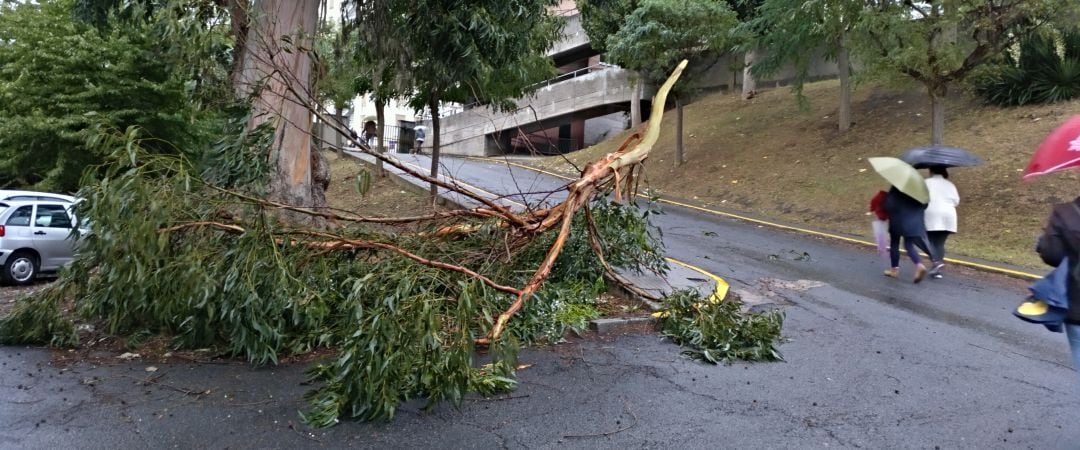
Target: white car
<point>35,237</point>
<point>6,194</point>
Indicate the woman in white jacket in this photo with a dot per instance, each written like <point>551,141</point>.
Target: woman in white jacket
<point>940,214</point>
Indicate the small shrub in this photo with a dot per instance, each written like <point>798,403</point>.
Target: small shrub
<point>1040,74</point>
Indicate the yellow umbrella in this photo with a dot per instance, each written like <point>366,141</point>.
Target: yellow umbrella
<point>901,175</point>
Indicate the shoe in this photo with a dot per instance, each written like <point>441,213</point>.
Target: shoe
<point>937,276</point>
<point>937,269</point>
<point>920,272</point>
<point>893,273</point>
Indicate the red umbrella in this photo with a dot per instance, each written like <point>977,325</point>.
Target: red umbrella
<point>1060,150</point>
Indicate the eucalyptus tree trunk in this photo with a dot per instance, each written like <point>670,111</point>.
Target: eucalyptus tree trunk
<point>635,102</point>
<point>380,124</point>
<point>433,104</point>
<point>749,83</point>
<point>679,133</point>
<point>300,174</point>
<point>843,69</point>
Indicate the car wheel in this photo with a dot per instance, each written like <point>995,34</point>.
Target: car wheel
<point>20,269</point>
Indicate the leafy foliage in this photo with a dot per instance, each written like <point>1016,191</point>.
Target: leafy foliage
<point>603,18</point>
<point>719,331</point>
<point>336,70</point>
<point>156,262</point>
<point>660,33</point>
<point>489,52</point>
<point>929,51</point>
<point>939,44</point>
<point>1041,73</point>
<point>60,79</point>
<point>794,31</point>
<point>38,321</point>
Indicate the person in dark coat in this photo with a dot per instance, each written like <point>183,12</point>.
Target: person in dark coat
<point>907,221</point>
<point>1060,239</point>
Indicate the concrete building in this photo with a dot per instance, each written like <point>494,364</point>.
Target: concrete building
<point>584,104</point>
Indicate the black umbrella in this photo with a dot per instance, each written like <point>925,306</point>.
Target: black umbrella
<point>940,155</point>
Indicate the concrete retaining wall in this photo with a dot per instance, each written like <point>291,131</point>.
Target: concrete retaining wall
<point>468,133</point>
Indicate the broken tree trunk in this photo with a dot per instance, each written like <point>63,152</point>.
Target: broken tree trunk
<point>610,168</point>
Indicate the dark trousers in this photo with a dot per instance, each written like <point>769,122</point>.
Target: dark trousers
<point>937,243</point>
<point>910,244</point>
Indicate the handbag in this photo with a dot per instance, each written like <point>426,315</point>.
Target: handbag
<point>1047,303</point>
<point>881,236</point>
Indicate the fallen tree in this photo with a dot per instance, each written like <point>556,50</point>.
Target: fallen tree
<point>187,247</point>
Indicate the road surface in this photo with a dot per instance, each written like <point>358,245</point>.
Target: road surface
<point>870,362</point>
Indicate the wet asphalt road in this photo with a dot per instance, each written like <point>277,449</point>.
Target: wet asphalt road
<point>870,362</point>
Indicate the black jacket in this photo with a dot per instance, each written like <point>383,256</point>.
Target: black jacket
<point>906,215</point>
<point>1061,238</point>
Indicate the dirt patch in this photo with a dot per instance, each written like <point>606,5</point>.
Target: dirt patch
<point>385,198</point>
<point>616,306</point>
<point>10,295</point>
<point>767,157</point>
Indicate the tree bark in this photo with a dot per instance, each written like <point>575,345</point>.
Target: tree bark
<point>635,102</point>
<point>380,123</point>
<point>749,84</point>
<point>678,133</point>
<point>238,19</point>
<point>433,104</point>
<point>937,113</point>
<point>843,68</point>
<point>265,63</point>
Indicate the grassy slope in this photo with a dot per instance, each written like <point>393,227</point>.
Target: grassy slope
<point>767,157</point>
<point>385,198</point>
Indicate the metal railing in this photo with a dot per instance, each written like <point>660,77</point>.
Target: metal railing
<point>444,112</point>
<point>573,74</point>
<point>397,139</point>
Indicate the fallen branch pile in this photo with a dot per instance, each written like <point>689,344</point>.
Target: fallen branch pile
<point>615,171</point>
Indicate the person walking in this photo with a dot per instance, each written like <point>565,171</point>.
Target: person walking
<point>371,133</point>
<point>940,215</point>
<point>1061,239</point>
<point>419,140</point>
<point>906,221</point>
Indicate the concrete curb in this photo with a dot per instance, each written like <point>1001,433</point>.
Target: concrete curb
<point>614,324</point>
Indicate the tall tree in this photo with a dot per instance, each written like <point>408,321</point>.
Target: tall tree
<point>796,31</point>
<point>660,33</point>
<point>939,43</point>
<point>276,73</point>
<point>602,19</point>
<point>466,52</point>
